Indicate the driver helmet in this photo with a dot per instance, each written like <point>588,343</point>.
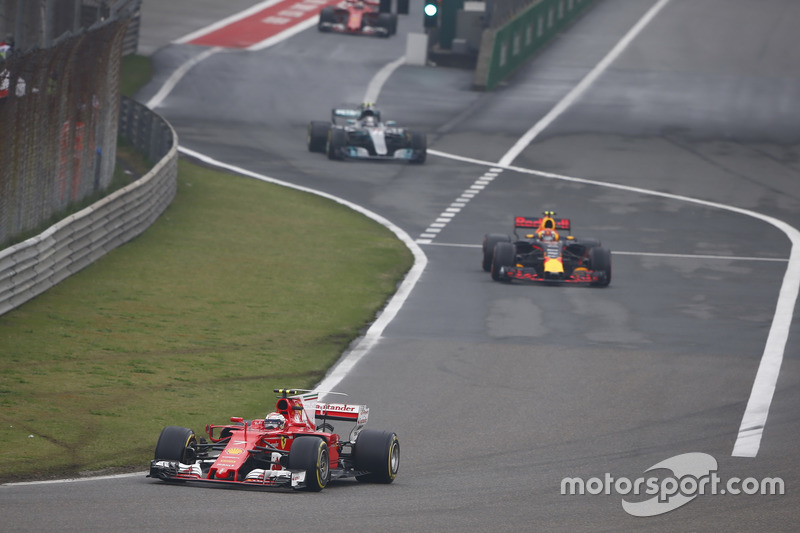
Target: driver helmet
<point>548,235</point>
<point>274,421</point>
<point>368,116</point>
<point>367,109</point>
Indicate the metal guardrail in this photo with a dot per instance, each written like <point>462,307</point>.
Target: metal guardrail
<point>31,267</point>
<point>151,135</point>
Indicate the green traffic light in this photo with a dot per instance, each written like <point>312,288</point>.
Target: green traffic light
<point>431,9</point>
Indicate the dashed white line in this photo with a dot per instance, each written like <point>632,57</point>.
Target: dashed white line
<point>455,207</point>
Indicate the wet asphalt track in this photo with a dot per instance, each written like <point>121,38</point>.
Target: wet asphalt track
<point>497,391</point>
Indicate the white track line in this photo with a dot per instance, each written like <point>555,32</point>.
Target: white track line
<point>178,75</point>
<point>705,256</point>
<point>582,86</point>
<point>74,479</point>
<point>754,419</point>
<point>377,82</point>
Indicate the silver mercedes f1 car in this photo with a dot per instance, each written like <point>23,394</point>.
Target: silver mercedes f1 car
<point>359,133</point>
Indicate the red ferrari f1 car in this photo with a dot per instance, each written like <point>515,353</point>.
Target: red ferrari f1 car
<point>544,255</point>
<point>362,17</point>
<point>294,446</point>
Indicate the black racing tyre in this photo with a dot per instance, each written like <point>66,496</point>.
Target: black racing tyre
<point>503,256</point>
<point>325,427</point>
<point>225,433</point>
<point>176,444</point>
<point>377,455</point>
<point>385,6</point>
<point>311,454</point>
<point>402,7</point>
<point>419,144</point>
<point>588,243</point>
<point>327,14</point>
<point>387,22</point>
<point>600,261</point>
<point>489,240</point>
<point>336,141</point>
<point>318,136</point>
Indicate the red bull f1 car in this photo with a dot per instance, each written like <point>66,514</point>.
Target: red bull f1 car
<point>546,253</point>
<point>357,132</point>
<point>362,17</point>
<point>295,446</point>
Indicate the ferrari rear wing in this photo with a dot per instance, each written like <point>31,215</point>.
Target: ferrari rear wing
<point>357,414</point>
<point>315,410</point>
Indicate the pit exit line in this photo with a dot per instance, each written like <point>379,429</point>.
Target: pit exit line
<point>641,254</point>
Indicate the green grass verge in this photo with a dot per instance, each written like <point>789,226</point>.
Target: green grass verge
<point>239,287</point>
<point>136,72</point>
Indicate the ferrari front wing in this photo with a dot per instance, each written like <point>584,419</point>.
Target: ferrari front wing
<point>175,471</point>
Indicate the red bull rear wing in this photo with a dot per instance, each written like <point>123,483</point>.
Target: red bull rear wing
<point>538,223</point>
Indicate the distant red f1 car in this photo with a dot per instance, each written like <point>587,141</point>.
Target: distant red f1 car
<point>294,446</point>
<point>362,17</point>
<point>544,255</point>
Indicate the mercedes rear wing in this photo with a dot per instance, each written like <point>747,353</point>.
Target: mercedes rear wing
<point>352,112</point>
<point>341,112</point>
